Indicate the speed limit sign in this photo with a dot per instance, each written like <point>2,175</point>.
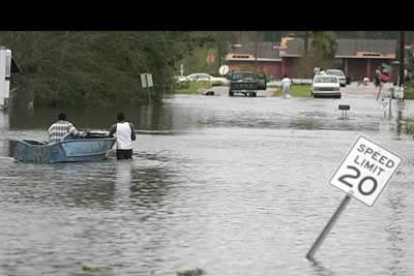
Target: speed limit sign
<point>366,171</point>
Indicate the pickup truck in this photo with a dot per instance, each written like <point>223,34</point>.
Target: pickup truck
<point>247,83</point>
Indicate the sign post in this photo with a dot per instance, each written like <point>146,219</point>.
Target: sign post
<point>328,227</point>
<point>146,82</point>
<point>363,175</point>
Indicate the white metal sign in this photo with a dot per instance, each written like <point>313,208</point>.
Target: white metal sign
<point>366,171</point>
<point>146,80</point>
<point>223,70</point>
<point>399,92</point>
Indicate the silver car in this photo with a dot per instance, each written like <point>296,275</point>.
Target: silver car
<point>340,74</point>
<point>326,86</point>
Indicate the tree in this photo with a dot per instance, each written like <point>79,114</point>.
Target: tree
<point>96,68</point>
<point>322,53</point>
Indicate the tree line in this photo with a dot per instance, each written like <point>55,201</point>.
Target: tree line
<point>103,68</point>
<point>98,68</point>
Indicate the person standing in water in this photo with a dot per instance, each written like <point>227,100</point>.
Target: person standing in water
<point>286,85</point>
<point>125,134</point>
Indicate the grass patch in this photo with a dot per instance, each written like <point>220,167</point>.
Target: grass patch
<point>193,87</point>
<point>409,91</point>
<point>301,91</point>
<point>408,125</point>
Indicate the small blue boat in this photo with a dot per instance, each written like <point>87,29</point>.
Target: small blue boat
<point>93,147</point>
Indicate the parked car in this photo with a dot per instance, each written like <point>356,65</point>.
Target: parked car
<point>326,85</point>
<point>199,77</point>
<point>180,79</point>
<point>340,74</point>
<point>205,77</point>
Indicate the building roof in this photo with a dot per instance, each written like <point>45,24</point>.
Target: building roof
<point>379,48</point>
<point>348,48</point>
<point>265,51</point>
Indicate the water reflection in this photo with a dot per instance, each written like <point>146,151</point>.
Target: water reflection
<point>4,126</point>
<point>396,237</point>
<point>320,270</point>
<point>154,117</point>
<point>149,187</point>
<point>123,181</point>
<point>399,122</point>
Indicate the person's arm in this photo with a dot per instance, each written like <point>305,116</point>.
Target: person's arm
<point>112,130</point>
<point>133,136</point>
<point>72,130</point>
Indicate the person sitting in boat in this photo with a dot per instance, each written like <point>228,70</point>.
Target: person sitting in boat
<point>125,134</point>
<point>61,128</point>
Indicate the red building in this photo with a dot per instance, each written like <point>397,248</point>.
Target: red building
<point>243,57</point>
<point>358,58</point>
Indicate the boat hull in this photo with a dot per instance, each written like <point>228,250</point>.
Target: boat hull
<point>68,150</point>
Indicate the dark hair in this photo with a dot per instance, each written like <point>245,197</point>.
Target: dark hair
<point>62,116</point>
<point>120,116</point>
<point>285,76</point>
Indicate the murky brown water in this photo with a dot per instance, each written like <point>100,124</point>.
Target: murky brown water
<point>235,186</point>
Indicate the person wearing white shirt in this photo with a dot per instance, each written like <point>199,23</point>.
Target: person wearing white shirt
<point>125,134</point>
<point>286,84</point>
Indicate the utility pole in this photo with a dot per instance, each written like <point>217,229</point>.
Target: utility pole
<point>306,42</point>
<point>255,55</point>
<point>402,62</point>
<point>219,50</point>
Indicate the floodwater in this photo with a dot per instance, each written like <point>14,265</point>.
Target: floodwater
<point>234,186</point>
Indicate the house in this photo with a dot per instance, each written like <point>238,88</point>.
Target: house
<point>358,58</point>
<point>243,57</point>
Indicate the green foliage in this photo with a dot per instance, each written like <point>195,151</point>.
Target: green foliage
<point>322,53</point>
<point>192,272</point>
<point>408,125</point>
<point>324,44</point>
<point>300,91</point>
<point>204,43</point>
<point>193,87</point>
<point>88,268</point>
<point>409,90</point>
<point>97,68</point>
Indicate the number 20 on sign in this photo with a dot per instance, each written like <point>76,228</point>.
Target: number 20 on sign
<point>366,171</point>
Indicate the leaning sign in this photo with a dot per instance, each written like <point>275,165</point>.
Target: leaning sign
<point>366,171</point>
<point>363,174</point>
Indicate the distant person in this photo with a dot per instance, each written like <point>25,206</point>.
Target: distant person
<point>377,79</point>
<point>286,85</point>
<point>125,134</point>
<point>316,71</point>
<point>61,128</point>
<point>409,76</point>
<point>322,72</point>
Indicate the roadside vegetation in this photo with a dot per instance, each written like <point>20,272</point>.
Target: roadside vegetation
<point>103,68</point>
<point>409,91</point>
<point>408,125</point>
<point>192,87</point>
<point>301,91</point>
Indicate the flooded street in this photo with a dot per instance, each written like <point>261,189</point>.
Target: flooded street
<point>232,185</point>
